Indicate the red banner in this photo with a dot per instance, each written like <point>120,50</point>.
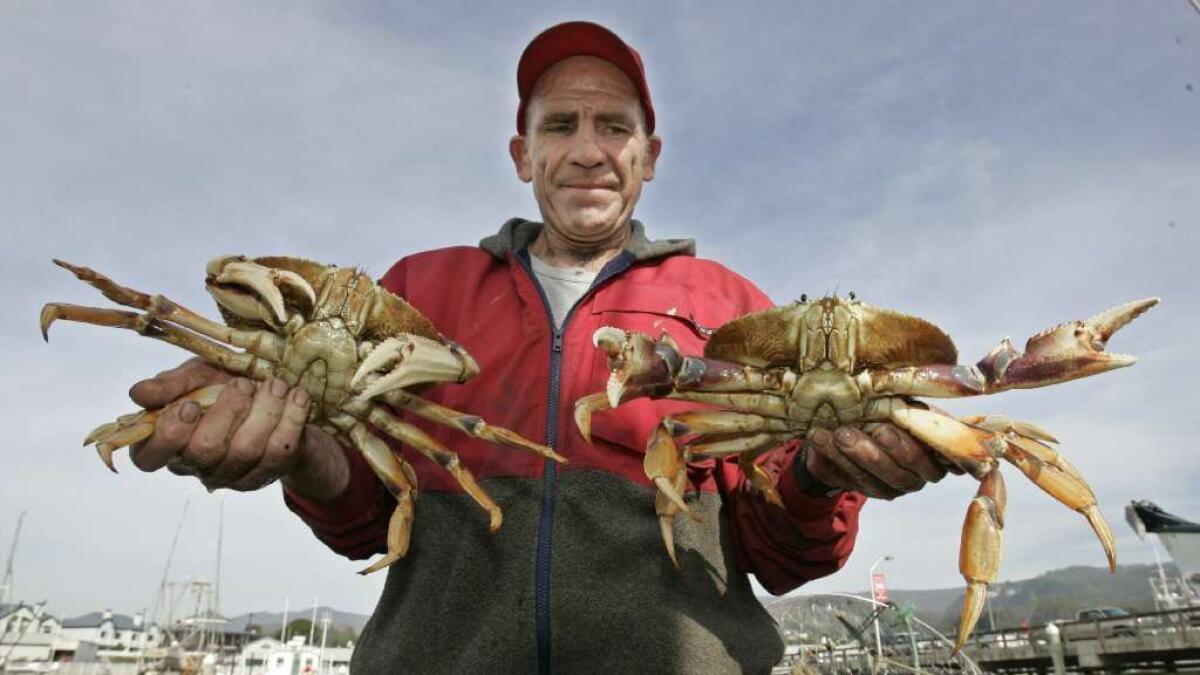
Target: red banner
<point>879,588</point>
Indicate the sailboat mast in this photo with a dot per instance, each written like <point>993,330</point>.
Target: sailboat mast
<point>6,585</point>
<point>162,585</point>
<point>220,539</point>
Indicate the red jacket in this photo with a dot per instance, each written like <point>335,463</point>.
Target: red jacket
<point>487,300</point>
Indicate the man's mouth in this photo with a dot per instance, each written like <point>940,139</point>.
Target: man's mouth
<point>590,186</point>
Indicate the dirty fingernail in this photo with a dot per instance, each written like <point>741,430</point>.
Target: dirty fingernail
<point>845,437</point>
<point>189,412</point>
<point>887,436</point>
<point>243,385</point>
<point>299,396</point>
<point>278,388</point>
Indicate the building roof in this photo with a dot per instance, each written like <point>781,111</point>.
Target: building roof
<point>6,609</point>
<point>96,619</point>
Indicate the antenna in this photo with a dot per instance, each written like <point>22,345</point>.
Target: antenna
<point>6,585</point>
<point>162,585</point>
<point>220,538</point>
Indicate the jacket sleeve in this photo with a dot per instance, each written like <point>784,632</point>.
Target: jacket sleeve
<point>354,523</point>
<point>810,537</point>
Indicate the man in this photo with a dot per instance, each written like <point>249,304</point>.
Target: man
<point>576,580</point>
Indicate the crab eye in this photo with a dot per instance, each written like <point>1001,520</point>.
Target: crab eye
<point>853,296</point>
<point>804,297</point>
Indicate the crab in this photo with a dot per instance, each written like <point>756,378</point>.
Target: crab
<point>824,363</point>
<point>358,350</point>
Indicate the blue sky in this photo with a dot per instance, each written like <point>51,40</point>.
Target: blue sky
<point>994,168</point>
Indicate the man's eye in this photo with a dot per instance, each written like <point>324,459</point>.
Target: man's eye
<point>616,130</point>
<point>556,128</point>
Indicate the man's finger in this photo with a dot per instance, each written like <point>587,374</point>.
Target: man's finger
<point>249,441</point>
<point>822,443</point>
<point>860,449</point>
<point>172,430</point>
<point>210,440</point>
<point>823,470</point>
<point>908,452</point>
<point>282,448</point>
<point>169,385</point>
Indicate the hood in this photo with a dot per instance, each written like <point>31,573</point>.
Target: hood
<point>519,233</point>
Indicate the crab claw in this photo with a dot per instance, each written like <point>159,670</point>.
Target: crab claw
<point>640,365</point>
<point>1066,352</point>
<point>253,291</point>
<point>412,360</point>
<point>980,551</point>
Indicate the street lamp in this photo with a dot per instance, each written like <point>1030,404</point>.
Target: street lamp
<point>878,639</point>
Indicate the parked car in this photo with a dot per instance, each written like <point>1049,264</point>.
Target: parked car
<point>1113,621</point>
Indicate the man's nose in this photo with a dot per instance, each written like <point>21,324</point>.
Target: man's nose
<point>585,151</point>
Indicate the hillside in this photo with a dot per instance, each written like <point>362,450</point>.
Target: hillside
<point>344,624</point>
<point>1057,594</point>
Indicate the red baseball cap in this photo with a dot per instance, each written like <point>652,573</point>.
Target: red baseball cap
<point>579,38</point>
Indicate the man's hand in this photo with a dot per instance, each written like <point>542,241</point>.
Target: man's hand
<point>884,464</point>
<point>254,434</point>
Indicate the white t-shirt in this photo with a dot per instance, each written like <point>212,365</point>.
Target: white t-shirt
<point>563,286</point>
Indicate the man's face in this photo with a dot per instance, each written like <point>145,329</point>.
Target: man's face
<point>585,150</point>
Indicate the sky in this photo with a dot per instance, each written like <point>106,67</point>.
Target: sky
<point>993,167</point>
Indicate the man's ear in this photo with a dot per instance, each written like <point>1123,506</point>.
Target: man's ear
<point>519,151</point>
<point>653,150</point>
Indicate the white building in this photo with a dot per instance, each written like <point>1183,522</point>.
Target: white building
<point>29,634</point>
<point>112,633</point>
<point>269,656</point>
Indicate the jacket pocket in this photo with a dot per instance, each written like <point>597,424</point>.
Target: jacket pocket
<point>652,308</point>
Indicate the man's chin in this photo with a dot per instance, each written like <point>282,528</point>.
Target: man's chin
<point>592,230</point>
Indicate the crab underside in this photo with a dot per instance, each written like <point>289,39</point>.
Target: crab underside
<point>359,351</point>
<point>774,375</point>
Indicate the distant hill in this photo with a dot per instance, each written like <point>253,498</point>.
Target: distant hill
<point>1057,594</point>
<point>271,622</point>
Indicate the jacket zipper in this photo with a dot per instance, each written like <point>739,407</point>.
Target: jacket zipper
<point>541,601</point>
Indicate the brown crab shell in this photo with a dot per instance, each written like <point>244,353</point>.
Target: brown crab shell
<point>885,338</point>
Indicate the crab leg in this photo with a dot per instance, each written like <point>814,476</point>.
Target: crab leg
<point>723,421</point>
<point>259,342</point>
<point>400,481</point>
<point>237,362</point>
<point>1005,425</point>
<point>1050,471</point>
<point>758,477</point>
<point>765,404</point>
<point>666,509</point>
<point>471,425</point>
<point>974,450</point>
<point>584,408</point>
<point>428,446</point>
<point>137,427</point>
<point>1059,479</point>
<point>737,431</point>
<point>980,551</point>
<point>664,465</point>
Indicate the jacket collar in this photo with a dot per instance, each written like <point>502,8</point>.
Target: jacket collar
<point>518,233</point>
